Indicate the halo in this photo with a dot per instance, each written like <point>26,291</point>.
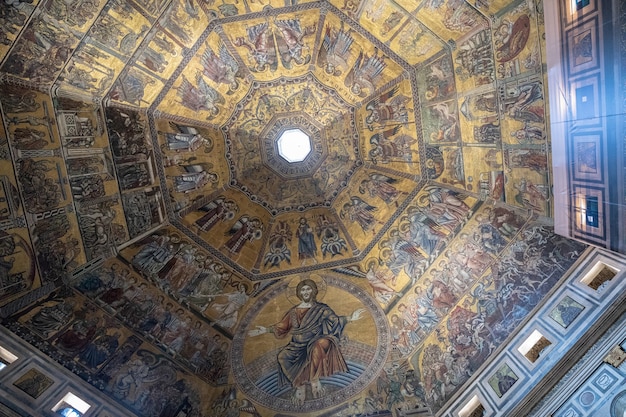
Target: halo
<point>293,283</point>
<point>369,262</point>
<point>411,299</point>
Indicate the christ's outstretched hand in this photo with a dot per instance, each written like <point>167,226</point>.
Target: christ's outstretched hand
<point>258,331</point>
<point>356,315</point>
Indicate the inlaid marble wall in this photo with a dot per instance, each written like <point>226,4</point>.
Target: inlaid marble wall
<point>599,377</point>
<point>588,120</point>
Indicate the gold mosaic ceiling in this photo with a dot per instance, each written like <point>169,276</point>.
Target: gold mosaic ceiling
<point>392,93</point>
<point>169,112</point>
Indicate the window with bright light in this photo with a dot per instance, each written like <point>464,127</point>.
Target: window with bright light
<point>599,276</point>
<point>534,346</point>
<point>473,408</point>
<point>6,358</point>
<point>71,405</point>
<point>69,412</point>
<point>294,145</point>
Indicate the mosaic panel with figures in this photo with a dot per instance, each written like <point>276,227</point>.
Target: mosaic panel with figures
<point>139,180</point>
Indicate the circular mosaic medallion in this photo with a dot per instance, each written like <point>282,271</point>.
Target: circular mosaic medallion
<point>253,136</point>
<point>587,398</point>
<point>295,359</point>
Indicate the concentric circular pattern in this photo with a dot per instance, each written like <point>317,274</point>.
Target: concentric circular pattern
<point>365,351</point>
<point>349,92</point>
<point>268,110</point>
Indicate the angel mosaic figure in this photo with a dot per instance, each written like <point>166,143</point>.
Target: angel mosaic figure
<point>244,230</point>
<point>261,47</point>
<point>186,138</point>
<point>328,232</point>
<point>379,185</point>
<point>388,107</point>
<point>278,250</point>
<point>365,73</point>
<point>202,97</point>
<point>290,41</point>
<point>335,50</point>
<point>359,211</point>
<point>193,179</point>
<point>217,210</point>
<point>222,69</point>
<point>386,149</point>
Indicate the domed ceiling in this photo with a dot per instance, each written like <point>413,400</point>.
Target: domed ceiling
<point>374,84</point>
<point>173,113</point>
<point>252,76</point>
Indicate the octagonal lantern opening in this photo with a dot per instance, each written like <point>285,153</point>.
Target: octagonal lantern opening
<point>294,145</point>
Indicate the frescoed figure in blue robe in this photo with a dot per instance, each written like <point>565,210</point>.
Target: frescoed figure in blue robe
<point>306,242</point>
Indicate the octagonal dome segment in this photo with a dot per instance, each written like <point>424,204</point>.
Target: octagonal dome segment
<point>277,42</point>
<point>358,103</point>
<point>353,62</point>
<point>268,110</point>
<point>193,161</point>
<point>208,84</point>
<point>294,145</point>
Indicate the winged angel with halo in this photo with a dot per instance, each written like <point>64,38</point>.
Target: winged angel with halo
<point>202,97</point>
<point>222,69</point>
